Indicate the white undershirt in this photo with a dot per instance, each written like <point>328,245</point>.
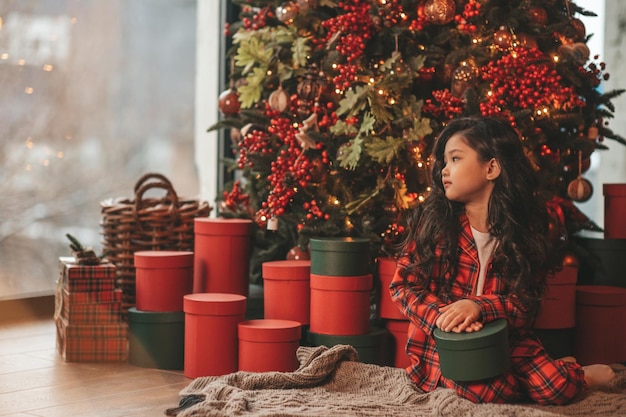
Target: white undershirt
<point>485,244</point>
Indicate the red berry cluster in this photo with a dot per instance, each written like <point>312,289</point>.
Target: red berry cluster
<point>254,142</point>
<point>289,170</point>
<point>314,211</point>
<point>470,10</point>
<point>352,29</point>
<point>258,20</point>
<point>525,79</point>
<point>443,105</point>
<point>594,74</point>
<point>236,197</point>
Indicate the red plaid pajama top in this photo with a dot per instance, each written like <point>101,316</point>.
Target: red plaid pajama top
<point>533,374</point>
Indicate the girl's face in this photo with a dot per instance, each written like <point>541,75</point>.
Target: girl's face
<point>465,178</point>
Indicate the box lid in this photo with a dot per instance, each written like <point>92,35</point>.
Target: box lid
<point>220,226</point>
<point>292,270</point>
<point>163,259</point>
<point>214,304</point>
<point>491,334</point>
<point>617,190</point>
<point>600,295</point>
<point>342,283</point>
<point>269,330</point>
<point>372,338</point>
<point>340,244</point>
<point>139,316</point>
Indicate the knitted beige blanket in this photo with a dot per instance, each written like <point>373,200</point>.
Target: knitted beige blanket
<point>331,382</point>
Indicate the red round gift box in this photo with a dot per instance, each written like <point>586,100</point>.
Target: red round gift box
<point>387,308</point>
<point>340,305</point>
<point>286,290</point>
<point>211,340</point>
<point>399,329</point>
<point>162,279</point>
<point>222,255</point>
<point>558,307</point>
<point>614,209</point>
<point>269,345</point>
<point>600,335</point>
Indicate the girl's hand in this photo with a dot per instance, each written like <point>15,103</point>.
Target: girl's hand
<point>459,316</point>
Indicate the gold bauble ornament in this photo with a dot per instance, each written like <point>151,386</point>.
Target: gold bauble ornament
<point>579,190</point>
<point>286,12</point>
<point>279,100</point>
<point>439,12</point>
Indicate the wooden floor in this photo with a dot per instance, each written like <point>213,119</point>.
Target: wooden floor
<point>35,381</point>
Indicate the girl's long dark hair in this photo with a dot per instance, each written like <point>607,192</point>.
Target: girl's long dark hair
<point>517,215</point>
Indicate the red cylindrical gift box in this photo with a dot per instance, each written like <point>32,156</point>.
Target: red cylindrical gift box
<point>600,324</point>
<point>399,329</point>
<point>269,345</point>
<point>222,255</point>
<point>162,279</point>
<point>211,340</point>
<point>387,308</point>
<point>340,305</point>
<point>287,291</point>
<point>614,209</point>
<point>558,307</point>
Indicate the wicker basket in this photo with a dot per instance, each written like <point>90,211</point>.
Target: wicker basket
<point>131,225</point>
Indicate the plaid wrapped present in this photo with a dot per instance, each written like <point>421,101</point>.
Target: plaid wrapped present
<point>91,312</point>
<point>86,278</point>
<point>112,296</point>
<point>92,343</point>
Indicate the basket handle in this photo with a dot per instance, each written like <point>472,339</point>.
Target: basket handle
<point>170,195</point>
<point>151,176</point>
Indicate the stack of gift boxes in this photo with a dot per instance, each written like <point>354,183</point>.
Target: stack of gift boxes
<point>88,313</point>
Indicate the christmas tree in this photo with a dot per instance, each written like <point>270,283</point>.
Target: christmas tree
<point>333,106</point>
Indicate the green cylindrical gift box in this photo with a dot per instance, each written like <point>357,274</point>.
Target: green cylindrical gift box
<point>156,339</point>
<point>340,256</point>
<point>476,355</point>
<point>372,347</point>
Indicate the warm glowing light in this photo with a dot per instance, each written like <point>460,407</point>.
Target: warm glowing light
<point>28,167</point>
<point>73,20</point>
<point>4,56</point>
<point>21,62</point>
<point>269,72</point>
<point>556,58</point>
<point>60,154</point>
<point>29,143</point>
<point>47,67</point>
<point>381,92</point>
<point>45,162</point>
<point>29,90</point>
<point>68,136</point>
<point>420,164</point>
<point>334,66</point>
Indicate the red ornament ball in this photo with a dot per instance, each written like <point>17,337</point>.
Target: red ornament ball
<point>538,16</point>
<point>297,253</point>
<point>503,38</point>
<point>228,102</point>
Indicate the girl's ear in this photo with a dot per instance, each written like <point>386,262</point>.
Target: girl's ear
<point>493,169</point>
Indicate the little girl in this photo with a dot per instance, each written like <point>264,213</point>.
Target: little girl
<point>478,250</point>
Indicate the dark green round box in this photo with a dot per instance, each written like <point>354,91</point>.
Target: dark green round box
<point>340,256</point>
<point>156,339</point>
<point>372,347</point>
<point>476,355</point>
